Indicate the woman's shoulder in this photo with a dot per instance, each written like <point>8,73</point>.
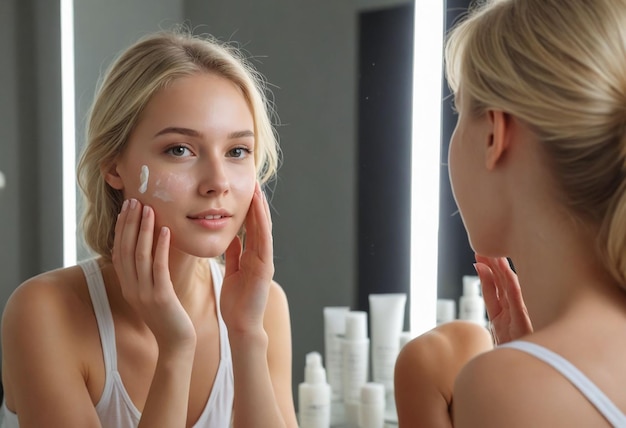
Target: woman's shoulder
<point>506,387</point>
<point>499,387</point>
<point>49,331</point>
<point>54,296</point>
<point>62,283</point>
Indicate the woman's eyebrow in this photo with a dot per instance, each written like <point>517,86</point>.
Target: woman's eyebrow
<point>193,133</point>
<point>177,130</point>
<point>241,134</point>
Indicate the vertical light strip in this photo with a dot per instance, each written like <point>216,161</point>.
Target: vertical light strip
<point>69,132</point>
<point>425,162</point>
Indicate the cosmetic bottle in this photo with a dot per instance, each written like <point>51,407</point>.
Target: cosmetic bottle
<point>355,364</point>
<point>334,331</point>
<point>471,303</point>
<point>314,394</point>
<point>372,406</point>
<point>405,337</point>
<point>446,311</point>
<point>386,324</point>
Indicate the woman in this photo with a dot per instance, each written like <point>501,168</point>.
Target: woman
<point>155,331</point>
<point>538,169</point>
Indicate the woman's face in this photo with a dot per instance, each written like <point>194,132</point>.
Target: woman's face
<point>191,158</point>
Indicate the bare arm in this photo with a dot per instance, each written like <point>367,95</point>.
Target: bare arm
<point>43,372</point>
<point>146,285</point>
<point>426,369</point>
<point>256,314</point>
<point>262,368</point>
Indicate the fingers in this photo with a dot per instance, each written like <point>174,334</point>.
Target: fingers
<point>489,289</point>
<point>232,257</point>
<point>160,267</point>
<point>259,226</point>
<point>124,244</point>
<point>503,295</point>
<point>143,249</point>
<point>133,246</point>
<point>266,248</point>
<point>517,307</point>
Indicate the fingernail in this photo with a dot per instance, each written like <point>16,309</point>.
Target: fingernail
<point>133,203</point>
<point>145,210</point>
<point>125,205</point>
<point>475,267</point>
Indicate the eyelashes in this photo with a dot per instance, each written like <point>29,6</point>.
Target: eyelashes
<point>182,151</point>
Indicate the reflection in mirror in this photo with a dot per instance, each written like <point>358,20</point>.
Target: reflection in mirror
<point>307,50</point>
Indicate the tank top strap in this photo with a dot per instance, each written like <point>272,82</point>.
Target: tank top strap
<point>605,406</point>
<point>100,302</point>
<point>218,279</point>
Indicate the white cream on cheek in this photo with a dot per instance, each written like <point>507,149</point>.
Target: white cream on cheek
<point>143,178</point>
<point>168,185</point>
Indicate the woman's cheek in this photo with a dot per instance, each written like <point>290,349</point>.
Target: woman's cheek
<point>168,186</point>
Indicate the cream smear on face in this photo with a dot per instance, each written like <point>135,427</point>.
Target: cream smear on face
<point>169,185</point>
<point>143,178</point>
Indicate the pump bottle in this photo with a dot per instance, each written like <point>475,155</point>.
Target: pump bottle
<point>471,303</point>
<point>314,394</point>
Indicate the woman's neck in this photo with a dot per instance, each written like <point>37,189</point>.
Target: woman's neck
<point>559,271</point>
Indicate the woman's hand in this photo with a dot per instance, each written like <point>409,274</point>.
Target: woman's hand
<point>145,279</point>
<point>249,273</point>
<point>503,299</point>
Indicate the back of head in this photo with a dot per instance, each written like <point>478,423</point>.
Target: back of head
<point>138,73</point>
<point>560,66</point>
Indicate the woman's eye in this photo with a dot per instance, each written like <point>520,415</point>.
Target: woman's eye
<point>239,152</point>
<point>179,151</point>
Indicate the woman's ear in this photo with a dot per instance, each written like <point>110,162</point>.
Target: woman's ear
<point>111,176</point>
<point>500,123</point>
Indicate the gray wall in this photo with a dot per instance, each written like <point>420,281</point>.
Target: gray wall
<point>30,147</point>
<point>306,49</point>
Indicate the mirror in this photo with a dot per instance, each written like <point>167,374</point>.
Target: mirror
<point>308,52</point>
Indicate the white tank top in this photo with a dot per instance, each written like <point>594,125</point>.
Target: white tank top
<point>605,406</point>
<point>115,408</point>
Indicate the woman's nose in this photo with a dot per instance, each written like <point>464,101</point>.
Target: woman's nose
<point>214,177</point>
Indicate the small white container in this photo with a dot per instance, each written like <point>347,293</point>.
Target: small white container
<point>471,303</point>
<point>334,331</point>
<point>355,363</point>
<point>446,311</point>
<point>314,394</point>
<point>372,406</point>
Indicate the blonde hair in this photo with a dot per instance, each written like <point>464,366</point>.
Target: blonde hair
<point>560,66</point>
<point>135,76</point>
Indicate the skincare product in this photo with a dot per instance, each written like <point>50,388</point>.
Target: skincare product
<point>405,337</point>
<point>387,322</point>
<point>355,363</point>
<point>143,177</point>
<point>471,303</point>
<point>446,311</point>
<point>314,394</point>
<point>334,330</point>
<point>372,406</point>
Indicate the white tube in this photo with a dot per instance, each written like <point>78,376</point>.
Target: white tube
<point>355,367</point>
<point>334,330</point>
<point>387,322</point>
